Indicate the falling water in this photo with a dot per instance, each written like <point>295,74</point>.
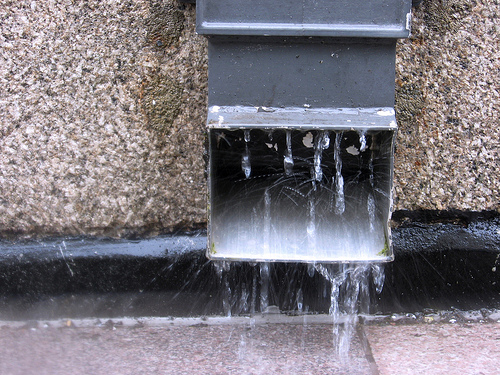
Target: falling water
<point>247,136</point>
<point>264,286</point>
<point>253,301</point>
<point>347,288</point>
<point>371,199</point>
<point>317,202</point>
<point>245,159</point>
<point>311,226</point>
<point>371,211</point>
<point>267,220</point>
<point>349,294</point>
<point>378,277</point>
<point>311,269</point>
<point>339,179</point>
<point>300,301</point>
<point>222,270</point>
<point>288,158</point>
<point>322,143</point>
<point>362,140</point>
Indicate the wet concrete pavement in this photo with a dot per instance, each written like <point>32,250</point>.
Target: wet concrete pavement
<point>244,346</point>
<point>463,348</point>
<point>197,348</point>
<point>451,292</point>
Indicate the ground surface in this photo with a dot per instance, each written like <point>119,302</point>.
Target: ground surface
<point>436,349</point>
<point>162,347</point>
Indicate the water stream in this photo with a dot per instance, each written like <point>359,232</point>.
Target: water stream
<point>300,195</point>
<point>245,159</point>
<point>339,179</point>
<point>362,140</point>
<point>321,143</point>
<point>349,288</point>
<point>288,159</point>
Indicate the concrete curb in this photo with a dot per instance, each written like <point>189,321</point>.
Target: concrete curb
<point>444,264</point>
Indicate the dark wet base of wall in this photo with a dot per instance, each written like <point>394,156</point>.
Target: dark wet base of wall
<point>444,261</point>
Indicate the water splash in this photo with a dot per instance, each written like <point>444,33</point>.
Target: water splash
<point>349,292</point>
<point>251,289</point>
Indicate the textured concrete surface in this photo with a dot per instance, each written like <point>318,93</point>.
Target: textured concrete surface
<point>146,347</point>
<point>102,107</point>
<point>436,349</point>
<point>448,154</point>
<point>196,349</point>
<point>83,86</point>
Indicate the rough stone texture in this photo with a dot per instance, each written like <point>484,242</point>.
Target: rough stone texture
<point>81,148</point>
<point>448,85</point>
<point>84,86</point>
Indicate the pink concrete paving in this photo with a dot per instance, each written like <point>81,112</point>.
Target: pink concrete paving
<point>196,349</point>
<point>170,348</point>
<point>436,348</point>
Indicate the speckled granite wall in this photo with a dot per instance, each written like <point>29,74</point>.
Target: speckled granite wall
<point>448,101</point>
<point>83,87</point>
<point>102,109</point>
